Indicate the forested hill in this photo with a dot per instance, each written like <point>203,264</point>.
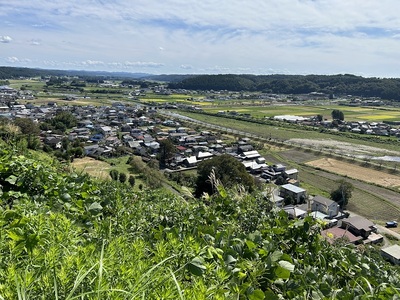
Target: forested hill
<point>343,84</point>
<point>385,88</point>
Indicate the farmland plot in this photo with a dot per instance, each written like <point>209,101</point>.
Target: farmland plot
<point>356,172</point>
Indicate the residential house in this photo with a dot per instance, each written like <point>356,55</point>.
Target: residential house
<point>245,148</point>
<point>336,233</point>
<point>291,174</point>
<point>204,155</point>
<point>359,226</point>
<point>294,212</point>
<point>325,205</point>
<point>279,168</point>
<point>251,154</point>
<point>53,141</point>
<point>190,161</point>
<point>290,191</point>
<point>152,145</point>
<point>106,130</point>
<point>272,196</point>
<point>254,167</point>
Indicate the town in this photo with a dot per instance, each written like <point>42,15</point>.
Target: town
<point>107,131</point>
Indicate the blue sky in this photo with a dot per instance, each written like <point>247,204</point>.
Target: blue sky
<point>360,37</point>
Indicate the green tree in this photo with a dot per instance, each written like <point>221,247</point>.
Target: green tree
<point>131,180</point>
<point>33,142</point>
<point>280,180</point>
<point>122,177</point>
<point>114,174</point>
<point>78,152</point>
<point>337,115</point>
<point>167,151</point>
<point>66,118</point>
<point>228,170</point>
<point>27,126</point>
<point>342,193</point>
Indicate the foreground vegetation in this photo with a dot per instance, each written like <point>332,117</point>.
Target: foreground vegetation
<point>67,236</point>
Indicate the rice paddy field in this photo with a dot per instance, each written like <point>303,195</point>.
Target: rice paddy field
<point>371,114</point>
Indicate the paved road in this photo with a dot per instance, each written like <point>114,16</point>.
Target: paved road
<point>388,231</point>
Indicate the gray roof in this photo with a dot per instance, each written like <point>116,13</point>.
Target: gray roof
<point>358,222</point>
<point>323,200</point>
<point>293,188</point>
<point>393,251</point>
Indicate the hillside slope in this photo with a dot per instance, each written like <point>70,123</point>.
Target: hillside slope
<point>66,236</point>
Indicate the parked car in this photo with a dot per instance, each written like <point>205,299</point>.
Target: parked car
<point>391,224</point>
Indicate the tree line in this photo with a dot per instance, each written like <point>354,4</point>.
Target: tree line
<point>342,84</point>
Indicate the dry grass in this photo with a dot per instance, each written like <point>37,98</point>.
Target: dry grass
<point>96,168</point>
<point>357,172</point>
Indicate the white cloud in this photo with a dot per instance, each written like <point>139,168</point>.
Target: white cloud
<point>142,64</point>
<point>93,63</point>
<point>34,42</point>
<point>5,39</point>
<point>254,36</point>
<point>12,59</point>
<point>186,67</point>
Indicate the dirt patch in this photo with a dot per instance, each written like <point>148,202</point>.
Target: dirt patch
<point>356,172</point>
<point>93,167</point>
<point>344,148</point>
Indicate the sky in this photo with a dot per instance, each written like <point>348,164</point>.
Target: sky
<point>360,37</point>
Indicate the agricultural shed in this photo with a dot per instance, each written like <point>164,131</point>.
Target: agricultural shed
<point>392,253</point>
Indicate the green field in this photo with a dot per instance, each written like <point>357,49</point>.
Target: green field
<point>371,114</point>
<point>290,131</point>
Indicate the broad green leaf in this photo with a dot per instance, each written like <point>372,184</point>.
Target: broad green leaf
<point>250,244</point>
<point>257,295</point>
<point>66,197</point>
<point>196,266</point>
<point>222,191</point>
<point>230,259</point>
<point>287,265</point>
<point>276,255</point>
<point>282,273</point>
<point>278,230</point>
<point>79,203</point>
<point>286,257</point>
<point>95,208</point>
<point>270,295</point>
<point>12,179</point>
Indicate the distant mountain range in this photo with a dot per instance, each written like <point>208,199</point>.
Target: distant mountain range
<point>16,72</point>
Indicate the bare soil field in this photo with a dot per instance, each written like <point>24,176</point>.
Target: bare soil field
<point>356,172</point>
<point>93,167</point>
<point>347,149</point>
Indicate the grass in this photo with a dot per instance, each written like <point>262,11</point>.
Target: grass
<point>101,169</point>
<point>95,168</point>
<point>371,114</point>
<point>119,164</point>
